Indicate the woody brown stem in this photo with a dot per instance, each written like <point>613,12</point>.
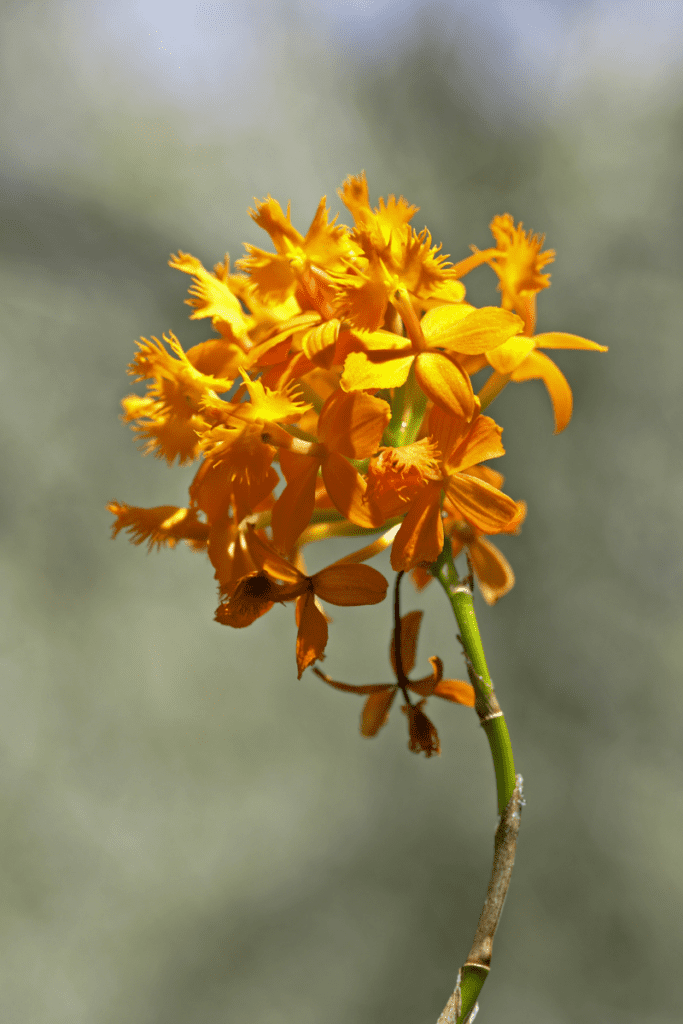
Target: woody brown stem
<point>478,963</point>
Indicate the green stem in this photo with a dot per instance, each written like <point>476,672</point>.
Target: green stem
<point>476,969</point>
<point>407,413</point>
<point>487,706</point>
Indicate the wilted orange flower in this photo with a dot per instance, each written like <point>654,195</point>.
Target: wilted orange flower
<point>276,580</point>
<point>161,526</point>
<point>381,696</point>
<point>422,733</point>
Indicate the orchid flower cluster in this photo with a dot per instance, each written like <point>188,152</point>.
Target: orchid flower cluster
<point>337,399</point>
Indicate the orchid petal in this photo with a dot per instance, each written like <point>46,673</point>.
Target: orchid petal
<point>347,584</point>
<point>493,571</point>
<point>420,538</point>
<point>445,383</point>
<point>557,339</point>
<point>360,372</point>
<point>346,487</point>
<point>376,712</point>
<point>478,331</point>
<point>311,639</point>
<point>479,503</point>
<point>537,365</point>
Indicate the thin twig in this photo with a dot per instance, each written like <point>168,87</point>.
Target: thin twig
<point>479,959</point>
<point>505,845</point>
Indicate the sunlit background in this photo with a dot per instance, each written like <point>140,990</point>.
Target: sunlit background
<point>190,835</point>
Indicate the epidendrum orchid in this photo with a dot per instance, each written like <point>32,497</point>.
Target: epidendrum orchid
<point>337,398</point>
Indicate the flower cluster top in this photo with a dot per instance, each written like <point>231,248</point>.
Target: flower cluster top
<point>345,360</point>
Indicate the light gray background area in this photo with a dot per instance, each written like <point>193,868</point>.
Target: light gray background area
<point>189,835</point>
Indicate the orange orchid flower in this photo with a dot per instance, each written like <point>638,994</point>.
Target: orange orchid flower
<point>375,713</point>
<point>433,347</point>
<point>277,580</point>
<point>391,256</point>
<point>520,359</point>
<point>518,262</point>
<point>350,426</point>
<point>170,416</point>
<point>325,247</point>
<point>491,568</point>
<point>460,446</point>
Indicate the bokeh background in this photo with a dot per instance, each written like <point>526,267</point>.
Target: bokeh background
<point>189,835</point>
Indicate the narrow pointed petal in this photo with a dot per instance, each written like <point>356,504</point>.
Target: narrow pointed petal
<point>493,571</point>
<point>556,339</point>
<point>376,712</point>
<point>364,689</point>
<point>445,383</point>
<point>425,686</point>
<point>487,508</point>
<point>312,636</point>
<point>346,487</point>
<point>457,691</point>
<point>420,538</point>
<point>539,366</point>
<point>293,509</point>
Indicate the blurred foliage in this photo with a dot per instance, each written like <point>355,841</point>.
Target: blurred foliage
<point>192,835</point>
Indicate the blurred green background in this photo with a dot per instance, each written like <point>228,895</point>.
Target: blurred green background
<point>190,835</point>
